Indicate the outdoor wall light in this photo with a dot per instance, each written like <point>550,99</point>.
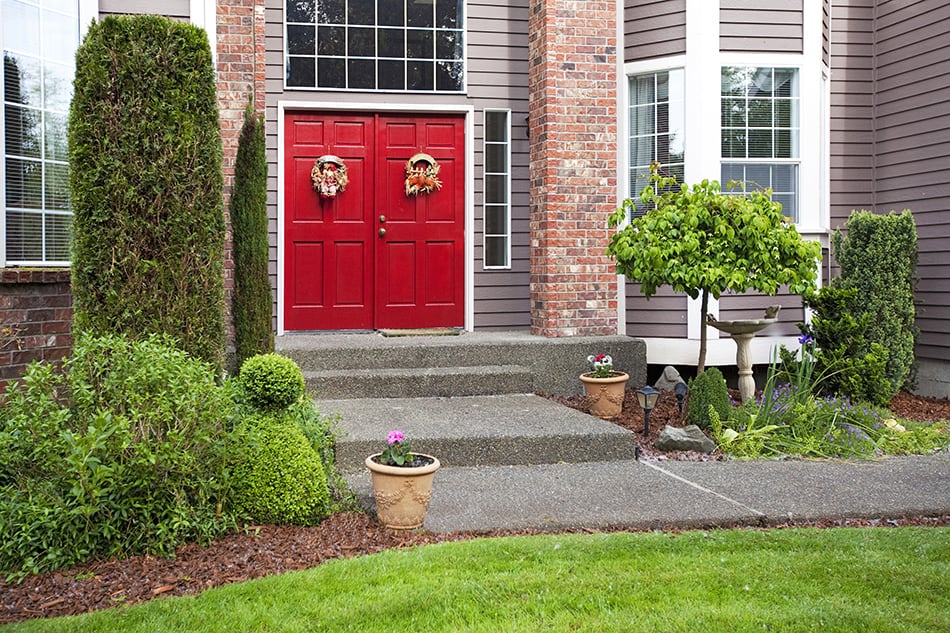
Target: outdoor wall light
<point>680,390</point>
<point>647,398</point>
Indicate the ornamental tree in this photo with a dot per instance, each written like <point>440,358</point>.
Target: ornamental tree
<point>703,242</point>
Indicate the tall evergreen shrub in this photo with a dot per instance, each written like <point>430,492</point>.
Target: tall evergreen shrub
<point>878,259</point>
<point>145,185</point>
<point>251,304</point>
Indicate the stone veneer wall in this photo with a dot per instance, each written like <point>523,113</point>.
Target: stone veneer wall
<point>572,49</point>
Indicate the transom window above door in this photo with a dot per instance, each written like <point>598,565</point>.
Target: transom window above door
<point>375,45</point>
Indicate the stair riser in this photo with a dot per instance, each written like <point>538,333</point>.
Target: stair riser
<point>411,385</point>
<point>480,451</point>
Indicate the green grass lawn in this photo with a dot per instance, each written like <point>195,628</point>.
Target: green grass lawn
<point>733,580</point>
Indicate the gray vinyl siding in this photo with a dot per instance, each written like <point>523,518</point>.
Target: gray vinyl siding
<point>912,155</point>
<point>497,49</point>
<point>175,9</point>
<point>662,316</point>
<point>653,28</point>
<point>851,108</point>
<point>760,26</point>
<point>752,305</point>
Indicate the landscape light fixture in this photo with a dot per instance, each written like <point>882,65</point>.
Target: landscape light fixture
<point>680,390</point>
<point>647,398</point>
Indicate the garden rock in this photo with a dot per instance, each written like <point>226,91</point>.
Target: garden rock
<point>669,379</point>
<point>688,438</point>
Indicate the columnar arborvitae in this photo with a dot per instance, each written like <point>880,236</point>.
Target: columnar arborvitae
<point>878,258</point>
<point>252,303</point>
<point>146,184</point>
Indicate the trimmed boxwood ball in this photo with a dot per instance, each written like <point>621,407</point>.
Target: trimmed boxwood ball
<point>705,390</point>
<point>271,381</point>
<point>278,476</point>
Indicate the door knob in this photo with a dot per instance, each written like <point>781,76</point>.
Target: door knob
<point>382,232</point>
<point>382,219</point>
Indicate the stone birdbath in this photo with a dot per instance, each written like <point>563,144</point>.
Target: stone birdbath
<point>742,332</point>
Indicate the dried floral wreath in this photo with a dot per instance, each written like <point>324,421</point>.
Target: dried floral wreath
<point>422,175</point>
<point>329,176</point>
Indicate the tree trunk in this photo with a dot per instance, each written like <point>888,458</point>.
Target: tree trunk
<point>704,306</point>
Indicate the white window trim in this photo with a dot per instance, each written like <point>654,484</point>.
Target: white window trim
<point>465,65</point>
<point>507,112</point>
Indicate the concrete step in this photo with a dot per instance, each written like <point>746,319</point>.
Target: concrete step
<point>554,364</point>
<point>420,382</point>
<point>517,429</point>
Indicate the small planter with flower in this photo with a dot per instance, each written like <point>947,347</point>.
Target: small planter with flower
<point>402,483</point>
<point>604,387</point>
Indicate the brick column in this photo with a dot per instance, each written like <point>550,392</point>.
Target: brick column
<point>572,79</point>
<point>239,43</point>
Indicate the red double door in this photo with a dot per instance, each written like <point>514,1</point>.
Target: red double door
<point>373,256</point>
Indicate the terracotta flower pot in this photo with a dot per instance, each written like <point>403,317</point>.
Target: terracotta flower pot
<point>402,492</point>
<point>605,395</point>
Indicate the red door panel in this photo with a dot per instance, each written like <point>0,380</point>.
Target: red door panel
<point>431,271</point>
<point>341,273</point>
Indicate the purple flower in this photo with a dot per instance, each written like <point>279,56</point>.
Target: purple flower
<point>805,339</point>
<point>395,437</point>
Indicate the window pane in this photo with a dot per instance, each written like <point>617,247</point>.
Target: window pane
<point>361,12</point>
<point>331,11</point>
<point>760,144</point>
<point>24,236</point>
<point>362,73</point>
<point>24,183</point>
<point>361,42</point>
<point>60,37</point>
<point>496,157</point>
<point>22,131</point>
<point>55,136</point>
<point>642,119</point>
<point>448,14</point>
<point>419,44</point>
<point>448,44</point>
<point>21,28</point>
<point>392,12</point>
<point>331,73</point>
<point>496,126</point>
<point>420,14</point>
<point>760,112</point>
<point>496,189</point>
<point>56,186</point>
<point>301,40</point>
<point>301,71</point>
<point>420,75</point>
<point>57,86</point>
<point>733,143</point>
<point>21,79</point>
<point>57,237</point>
<point>391,42</point>
<point>449,76</point>
<point>301,10</point>
<point>733,112</point>
<point>391,74</point>
<point>496,220</point>
<point>332,41</point>
<point>496,251</point>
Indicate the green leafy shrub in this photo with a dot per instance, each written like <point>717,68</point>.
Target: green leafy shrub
<point>846,362</point>
<point>878,259</point>
<point>278,476</point>
<point>706,390</point>
<point>251,303</point>
<point>145,185</point>
<point>271,381</point>
<point>322,431</point>
<point>121,454</point>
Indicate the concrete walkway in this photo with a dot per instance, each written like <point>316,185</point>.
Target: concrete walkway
<point>521,482</point>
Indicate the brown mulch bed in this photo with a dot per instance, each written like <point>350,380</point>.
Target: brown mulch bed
<point>267,550</point>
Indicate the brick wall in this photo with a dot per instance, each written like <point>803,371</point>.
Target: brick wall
<point>36,311</point>
<point>572,48</point>
<point>240,74</point>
